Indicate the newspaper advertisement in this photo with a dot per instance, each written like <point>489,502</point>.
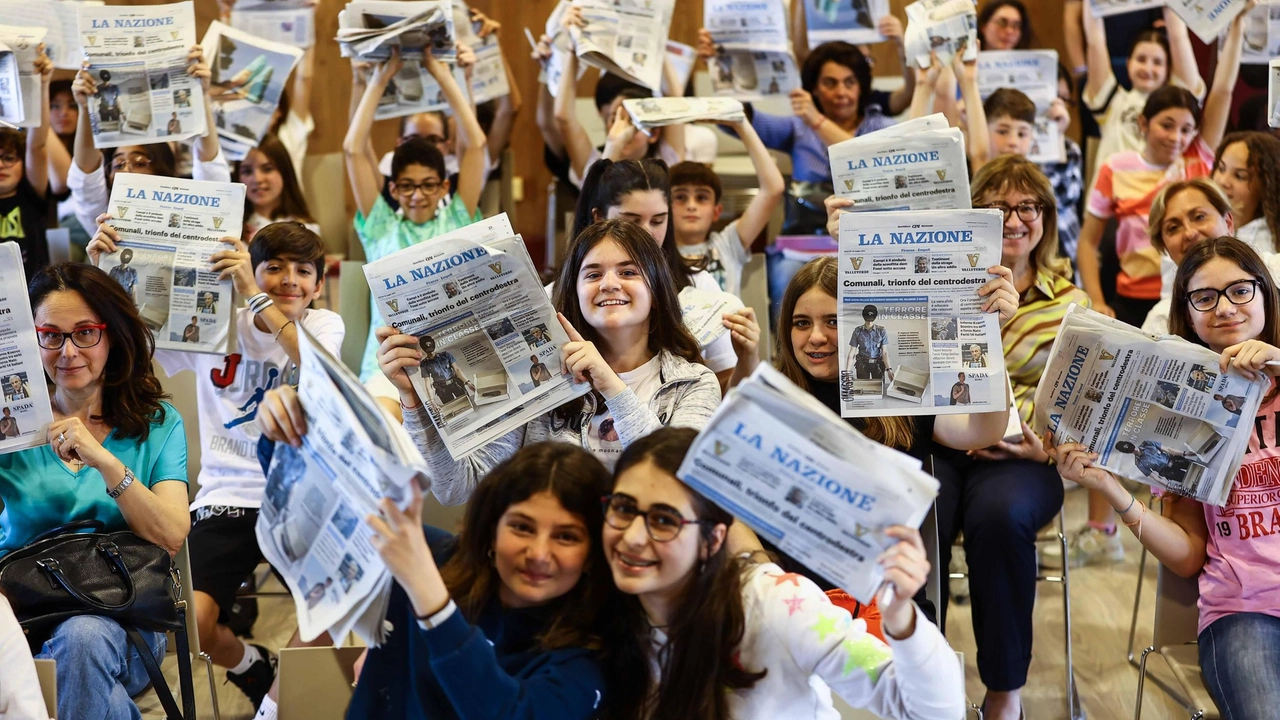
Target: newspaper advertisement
<point>138,57</point>
<point>291,22</point>
<point>22,99</point>
<point>169,227</point>
<point>852,21</point>
<point>1273,92</point>
<point>414,90</point>
<point>25,413</point>
<point>1107,8</point>
<point>806,481</point>
<point>1261,39</point>
<point>60,19</point>
<point>913,337</point>
<point>625,37</point>
<point>1035,74</point>
<point>490,338</point>
<point>703,312</point>
<point>753,57</point>
<point>649,113</point>
<point>311,526</point>
<point>1207,18</point>
<point>1156,409</point>
<point>370,29</point>
<point>941,26</point>
<point>916,165</point>
<point>249,75</point>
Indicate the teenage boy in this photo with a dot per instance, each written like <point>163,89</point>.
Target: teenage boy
<point>279,274</point>
<point>24,180</point>
<point>695,204</point>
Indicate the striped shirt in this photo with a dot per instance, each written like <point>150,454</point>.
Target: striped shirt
<point>1029,335</point>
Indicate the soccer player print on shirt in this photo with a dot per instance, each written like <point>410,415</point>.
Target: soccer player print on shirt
<point>224,379</point>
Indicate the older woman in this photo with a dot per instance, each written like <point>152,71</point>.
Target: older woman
<point>117,454</point>
<point>1005,25</point>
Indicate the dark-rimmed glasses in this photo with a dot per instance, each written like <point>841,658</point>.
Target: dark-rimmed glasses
<point>1028,212</point>
<point>132,162</point>
<point>85,336</point>
<point>1240,292</point>
<point>408,187</point>
<point>663,523</point>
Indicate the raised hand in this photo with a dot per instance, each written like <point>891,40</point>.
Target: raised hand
<point>397,352</point>
<point>104,241</point>
<point>1000,294</point>
<point>280,416</point>
<point>906,567</point>
<point>583,360</point>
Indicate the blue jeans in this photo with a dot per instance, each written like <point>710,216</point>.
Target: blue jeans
<point>1240,660</point>
<point>99,671</point>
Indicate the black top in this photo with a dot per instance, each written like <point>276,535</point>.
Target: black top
<point>921,425</point>
<point>24,216</point>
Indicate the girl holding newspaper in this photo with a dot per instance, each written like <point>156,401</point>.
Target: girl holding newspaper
<point>1226,300</point>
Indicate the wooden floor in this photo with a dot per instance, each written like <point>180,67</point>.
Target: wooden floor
<point>1101,603</point>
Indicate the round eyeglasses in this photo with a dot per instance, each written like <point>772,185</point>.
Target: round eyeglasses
<point>85,336</point>
<point>1028,212</point>
<point>1240,292</point>
<point>663,523</point>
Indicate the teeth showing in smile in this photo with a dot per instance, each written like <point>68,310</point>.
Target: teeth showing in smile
<point>610,303</point>
<point>636,562</point>
<point>819,355</point>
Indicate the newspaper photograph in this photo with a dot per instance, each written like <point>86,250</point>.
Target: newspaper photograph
<point>414,90</point>
<point>249,75</point>
<point>12,111</point>
<point>853,21</point>
<point>291,22</point>
<point>649,113</point>
<point>169,227</point>
<point>806,481</point>
<point>703,312</point>
<point>627,38</point>
<point>1261,37</point>
<point>1107,8</point>
<point>60,19</point>
<point>311,526</point>
<point>913,337</point>
<point>20,49</point>
<point>1207,20</point>
<point>916,165</point>
<point>752,75</point>
<point>940,25</point>
<point>25,413</point>
<point>138,56</point>
<point>1156,409</point>
<point>369,29</point>
<point>490,337</point>
<point>1034,73</point>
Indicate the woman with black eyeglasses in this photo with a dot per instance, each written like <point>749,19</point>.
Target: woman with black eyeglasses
<point>116,453</point>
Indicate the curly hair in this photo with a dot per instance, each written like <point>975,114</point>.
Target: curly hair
<point>1264,171</point>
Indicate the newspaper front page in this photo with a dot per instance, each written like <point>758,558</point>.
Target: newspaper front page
<point>291,22</point>
<point>1261,34</point>
<point>370,29</point>
<point>1207,18</point>
<point>916,165</point>
<point>625,37</point>
<point>561,47</point>
<point>491,338</point>
<point>249,75</point>
<point>26,413</point>
<point>489,75</point>
<point>169,227</point>
<point>1107,8</point>
<point>806,481</point>
<point>913,337</point>
<point>753,57</point>
<point>311,526</point>
<point>61,21</point>
<point>11,105</point>
<point>138,57</point>
<point>851,21</point>
<point>940,25</point>
<point>1156,409</point>
<point>414,90</point>
<point>1034,73</point>
<point>22,98</point>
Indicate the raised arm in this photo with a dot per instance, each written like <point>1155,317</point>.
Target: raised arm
<point>37,160</point>
<point>300,102</point>
<point>471,164</point>
<point>1217,104</point>
<point>207,146</point>
<point>504,117</point>
<point>576,141</point>
<point>756,217</point>
<point>1182,58</point>
<point>1097,57</point>
<point>87,157</point>
<point>979,140</point>
<point>799,31</point>
<point>546,108</point>
<point>891,28</point>
<point>362,169</point>
<point>1073,33</point>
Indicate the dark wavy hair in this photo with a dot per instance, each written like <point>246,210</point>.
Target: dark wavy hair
<point>131,393</point>
<point>577,480</point>
<point>841,53</point>
<point>417,151</point>
<point>1025,39</point>
<point>698,669</point>
<point>163,163</point>
<point>292,202</point>
<point>1264,166</point>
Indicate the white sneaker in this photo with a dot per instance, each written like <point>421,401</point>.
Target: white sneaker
<point>1086,546</point>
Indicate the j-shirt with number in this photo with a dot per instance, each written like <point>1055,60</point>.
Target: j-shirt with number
<point>228,392</point>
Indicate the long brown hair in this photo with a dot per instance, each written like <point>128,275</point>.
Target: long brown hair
<point>697,663</point>
<point>131,393</point>
<point>292,203</point>
<point>578,481</point>
<point>1264,166</point>
<point>1016,173</point>
<point>895,432</point>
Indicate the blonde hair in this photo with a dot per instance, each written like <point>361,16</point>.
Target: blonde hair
<point>1160,206</point>
<point>1014,172</point>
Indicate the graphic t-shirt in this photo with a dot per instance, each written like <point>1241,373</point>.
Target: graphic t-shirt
<point>24,216</point>
<point>602,438</point>
<point>228,391</point>
<point>723,257</point>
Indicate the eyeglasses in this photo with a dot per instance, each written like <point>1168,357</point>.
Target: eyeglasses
<point>430,187</point>
<point>1007,24</point>
<point>136,162</point>
<point>663,524</point>
<point>1028,212</point>
<point>1237,293</point>
<point>85,336</point>
<point>10,159</point>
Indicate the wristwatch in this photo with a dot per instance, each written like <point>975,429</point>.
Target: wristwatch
<point>124,484</point>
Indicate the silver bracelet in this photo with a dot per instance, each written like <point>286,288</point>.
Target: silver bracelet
<point>124,484</point>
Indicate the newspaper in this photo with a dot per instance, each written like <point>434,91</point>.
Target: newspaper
<point>852,21</point>
<point>913,337</point>
<point>414,90</point>
<point>138,56</point>
<point>1273,92</point>
<point>292,22</point>
<point>1261,34</point>
<point>25,414</point>
<point>561,47</point>
<point>1035,73</point>
<point>806,481</point>
<point>168,228</point>
<point>940,25</point>
<point>1156,409</point>
<point>473,300</point>
<point>703,313</point>
<point>1207,18</point>
<point>369,29</point>
<point>649,113</point>
<point>1107,8</point>
<point>627,38</point>
<point>753,57</point>
<point>311,526</point>
<point>489,75</point>
<point>916,165</point>
<point>12,110</point>
<point>249,75</point>
<point>682,58</point>
<point>20,99</point>
<point>60,18</point>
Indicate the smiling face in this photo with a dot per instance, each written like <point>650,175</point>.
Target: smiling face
<point>837,91</point>
<point>1168,134</point>
<point>1020,237</point>
<point>1010,136</point>
<point>646,208</point>
<point>612,291</point>
<point>1189,217</point>
<point>418,189</point>
<point>1148,66</point>
<point>290,284</point>
<point>540,550</point>
<point>1003,30</point>
<point>1227,324</point>
<point>263,182</point>
<point>696,210</point>
<point>814,338</point>
<point>72,367</point>
<point>1244,190</point>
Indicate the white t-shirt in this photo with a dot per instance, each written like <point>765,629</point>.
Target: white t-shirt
<point>602,438</point>
<point>257,221</point>
<point>228,390</point>
<point>1257,235</point>
<point>700,144</point>
<point>295,134</point>
<point>725,257</point>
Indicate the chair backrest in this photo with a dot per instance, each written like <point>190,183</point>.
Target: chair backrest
<point>182,395</point>
<point>353,306</point>
<point>58,240</point>
<point>315,683</point>
<point>183,562</point>
<point>47,676</point>
<point>755,293</point>
<point>1177,609</point>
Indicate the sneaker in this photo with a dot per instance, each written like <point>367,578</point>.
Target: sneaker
<point>256,681</point>
<point>1087,546</point>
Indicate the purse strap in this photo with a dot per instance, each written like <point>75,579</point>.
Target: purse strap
<point>158,682</point>
<point>73,526</point>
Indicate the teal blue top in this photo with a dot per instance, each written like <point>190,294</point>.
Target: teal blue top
<point>40,492</point>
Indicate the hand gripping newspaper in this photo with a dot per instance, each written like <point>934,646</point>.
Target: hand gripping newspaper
<point>249,75</point>
<point>913,337</point>
<point>703,312</point>
<point>168,228</point>
<point>1261,40</point>
<point>753,57</point>
<point>311,527</point>
<point>806,481</point>
<point>414,90</point>
<point>20,98</point>
<point>1107,8</point>
<point>1156,409</point>
<point>1035,74</point>
<point>627,38</point>
<point>940,25</point>
<point>649,113</point>
<point>291,22</point>
<point>851,21</point>
<point>138,57</point>
<point>60,19</point>
<point>915,165</point>
<point>369,29</point>
<point>26,412</point>
<point>490,338</point>
<point>1207,18</point>
<point>552,68</point>
<point>489,75</point>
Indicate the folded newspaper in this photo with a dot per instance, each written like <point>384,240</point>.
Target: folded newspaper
<point>851,21</point>
<point>292,22</point>
<point>1207,18</point>
<point>249,76</point>
<point>20,98</point>
<point>26,413</point>
<point>169,228</point>
<point>60,18</point>
<point>370,29</point>
<point>1035,74</point>
<point>1107,8</point>
<point>915,165</point>
<point>806,481</point>
<point>490,338</point>
<point>627,38</point>
<point>138,57</point>
<point>703,312</point>
<point>940,26</point>
<point>1261,35</point>
<point>413,90</point>
<point>753,57</point>
<point>649,113</point>
<point>311,527</point>
<point>1156,409</point>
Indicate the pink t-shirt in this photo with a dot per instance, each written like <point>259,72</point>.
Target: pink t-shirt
<point>1242,573</point>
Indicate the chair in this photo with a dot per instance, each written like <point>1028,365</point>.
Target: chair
<point>315,683</point>
<point>1177,617</point>
<point>755,293</point>
<point>1133,622</point>
<point>183,562</point>
<point>353,306</point>
<point>47,676</point>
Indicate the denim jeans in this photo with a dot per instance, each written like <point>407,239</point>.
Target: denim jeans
<point>99,671</point>
<point>1240,660</point>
